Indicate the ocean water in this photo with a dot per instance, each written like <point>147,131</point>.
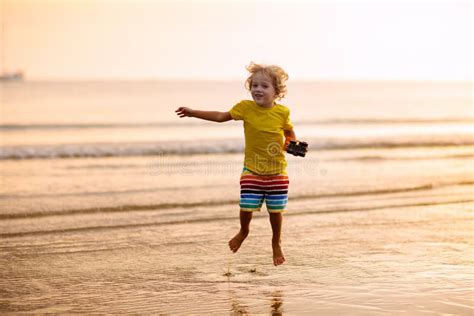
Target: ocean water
<point>111,203</point>
<point>80,119</point>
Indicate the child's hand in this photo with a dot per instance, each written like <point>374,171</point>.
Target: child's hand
<point>289,136</point>
<point>287,142</point>
<point>183,112</point>
<point>285,146</point>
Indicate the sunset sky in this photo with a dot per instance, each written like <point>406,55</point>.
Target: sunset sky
<point>118,39</point>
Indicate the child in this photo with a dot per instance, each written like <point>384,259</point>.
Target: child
<point>264,177</point>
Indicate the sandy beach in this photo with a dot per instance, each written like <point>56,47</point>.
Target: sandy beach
<point>404,260</point>
<point>355,250</point>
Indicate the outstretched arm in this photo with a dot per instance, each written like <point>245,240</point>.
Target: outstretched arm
<point>214,116</point>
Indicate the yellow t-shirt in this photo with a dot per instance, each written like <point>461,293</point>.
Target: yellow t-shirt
<point>263,129</point>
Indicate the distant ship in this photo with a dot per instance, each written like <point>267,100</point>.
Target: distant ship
<point>12,76</point>
<point>6,75</point>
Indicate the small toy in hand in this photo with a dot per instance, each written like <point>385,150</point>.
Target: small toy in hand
<point>297,148</point>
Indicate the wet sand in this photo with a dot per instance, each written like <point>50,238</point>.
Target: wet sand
<point>367,232</point>
<point>415,260</point>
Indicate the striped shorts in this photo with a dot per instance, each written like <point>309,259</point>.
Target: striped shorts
<point>254,189</point>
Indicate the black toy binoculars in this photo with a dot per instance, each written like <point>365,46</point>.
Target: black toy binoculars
<point>297,148</point>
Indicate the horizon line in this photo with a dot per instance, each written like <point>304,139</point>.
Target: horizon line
<point>232,79</point>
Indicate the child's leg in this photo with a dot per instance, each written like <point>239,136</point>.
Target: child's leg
<point>236,242</point>
<point>276,219</point>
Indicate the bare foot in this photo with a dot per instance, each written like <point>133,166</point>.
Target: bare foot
<point>278,256</point>
<point>236,242</point>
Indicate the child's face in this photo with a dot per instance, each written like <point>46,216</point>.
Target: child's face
<point>262,90</point>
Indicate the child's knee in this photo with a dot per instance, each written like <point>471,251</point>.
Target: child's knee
<point>275,214</point>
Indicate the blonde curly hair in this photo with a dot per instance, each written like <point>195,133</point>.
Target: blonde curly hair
<point>277,75</point>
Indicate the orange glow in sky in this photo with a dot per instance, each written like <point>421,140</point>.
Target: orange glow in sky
<point>107,39</point>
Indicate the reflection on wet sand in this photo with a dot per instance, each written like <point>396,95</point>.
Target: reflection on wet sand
<point>239,308</point>
<point>236,306</point>
<point>277,303</point>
